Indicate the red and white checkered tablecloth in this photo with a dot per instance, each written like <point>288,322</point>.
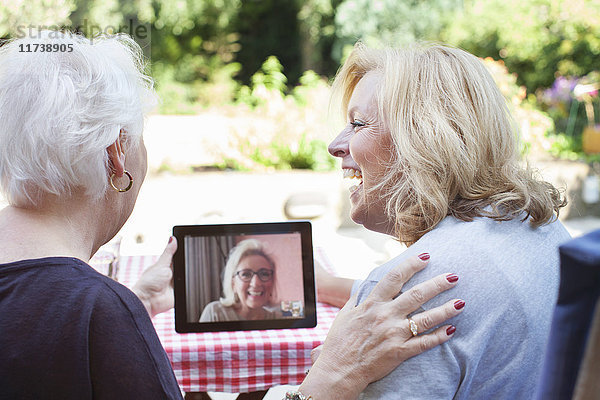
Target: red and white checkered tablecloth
<point>236,362</point>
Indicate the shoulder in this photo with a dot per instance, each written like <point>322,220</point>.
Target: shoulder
<point>76,281</point>
<point>52,271</point>
<point>492,235</point>
<point>108,328</point>
<point>214,305</point>
<point>111,306</point>
<point>74,288</point>
<point>483,244</point>
<point>508,277</point>
<point>503,267</point>
<point>506,247</point>
<point>114,298</point>
<point>116,307</point>
<point>138,352</point>
<point>215,311</point>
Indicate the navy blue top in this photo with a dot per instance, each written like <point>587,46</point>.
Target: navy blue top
<point>68,332</point>
<point>571,324</point>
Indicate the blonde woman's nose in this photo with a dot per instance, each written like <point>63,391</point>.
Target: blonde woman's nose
<point>339,146</point>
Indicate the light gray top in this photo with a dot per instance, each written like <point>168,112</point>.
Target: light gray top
<point>215,312</point>
<point>508,277</point>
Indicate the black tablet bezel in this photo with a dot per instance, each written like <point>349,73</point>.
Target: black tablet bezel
<point>302,227</point>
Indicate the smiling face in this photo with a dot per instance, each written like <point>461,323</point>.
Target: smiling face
<point>365,147</point>
<point>254,294</point>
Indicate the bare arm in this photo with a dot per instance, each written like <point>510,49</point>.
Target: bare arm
<point>332,289</point>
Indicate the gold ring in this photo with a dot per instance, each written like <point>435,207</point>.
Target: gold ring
<point>413,327</point>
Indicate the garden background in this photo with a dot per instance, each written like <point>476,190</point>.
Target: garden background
<point>241,131</point>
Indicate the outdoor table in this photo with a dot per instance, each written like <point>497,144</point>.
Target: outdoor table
<point>235,362</point>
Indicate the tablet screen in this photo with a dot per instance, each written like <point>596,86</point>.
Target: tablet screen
<point>243,277</point>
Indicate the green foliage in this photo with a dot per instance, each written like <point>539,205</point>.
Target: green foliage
<point>534,125</point>
<point>573,104</point>
<point>316,25</point>
<point>175,97</point>
<point>271,76</point>
<point>207,54</point>
<point>545,43</point>
<point>537,39</point>
<point>193,48</point>
<point>309,82</point>
<point>308,154</point>
<point>566,147</point>
<point>390,21</point>
<point>17,16</point>
<point>181,94</point>
<point>265,28</point>
<point>270,79</point>
<point>284,131</point>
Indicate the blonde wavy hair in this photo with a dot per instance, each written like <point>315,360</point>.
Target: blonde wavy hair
<point>455,147</point>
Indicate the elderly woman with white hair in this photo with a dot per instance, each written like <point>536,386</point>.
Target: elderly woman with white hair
<point>72,160</point>
<point>432,146</point>
<point>248,285</point>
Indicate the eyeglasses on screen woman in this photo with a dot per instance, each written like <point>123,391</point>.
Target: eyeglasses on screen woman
<point>246,275</point>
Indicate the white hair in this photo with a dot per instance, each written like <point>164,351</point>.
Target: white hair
<point>248,247</point>
<point>60,110</point>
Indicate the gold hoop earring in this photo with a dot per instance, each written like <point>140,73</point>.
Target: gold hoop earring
<point>128,186</point>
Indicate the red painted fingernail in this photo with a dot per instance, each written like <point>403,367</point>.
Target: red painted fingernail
<point>424,256</point>
<point>170,239</point>
<point>458,304</point>
<point>451,329</point>
<point>451,278</point>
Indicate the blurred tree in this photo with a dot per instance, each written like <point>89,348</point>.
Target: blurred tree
<point>538,39</point>
<point>193,48</point>
<point>133,17</point>
<point>17,16</point>
<point>316,24</point>
<point>265,28</point>
<point>390,21</point>
<point>195,37</point>
<point>195,28</point>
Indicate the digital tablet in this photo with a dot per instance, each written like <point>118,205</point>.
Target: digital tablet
<point>234,277</point>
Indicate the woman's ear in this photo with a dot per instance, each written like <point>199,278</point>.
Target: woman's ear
<point>116,157</point>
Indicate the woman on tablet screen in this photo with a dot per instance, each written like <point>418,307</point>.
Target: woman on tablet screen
<point>248,284</point>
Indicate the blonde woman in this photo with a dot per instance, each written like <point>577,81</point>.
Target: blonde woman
<point>248,284</point>
<point>432,146</point>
